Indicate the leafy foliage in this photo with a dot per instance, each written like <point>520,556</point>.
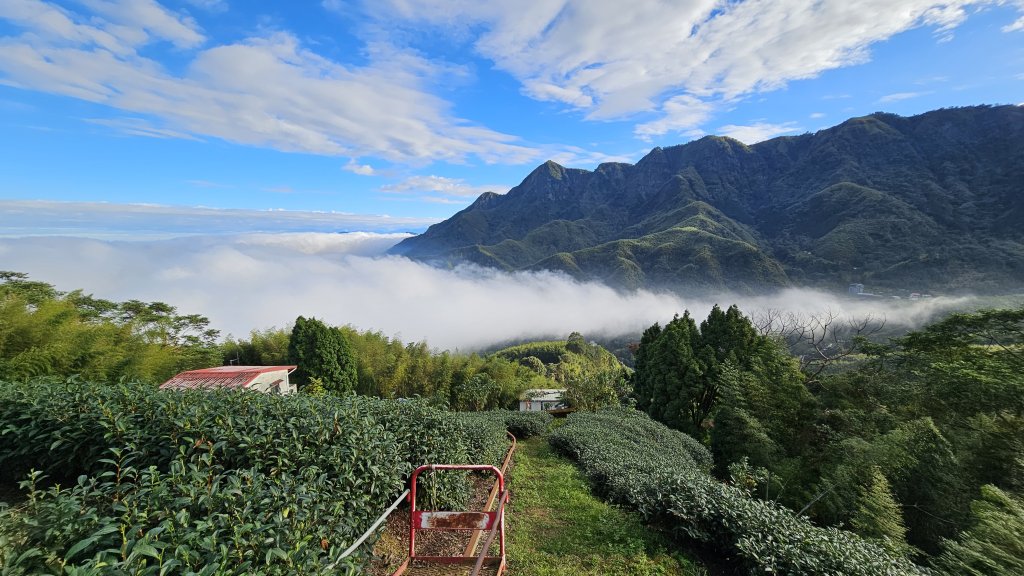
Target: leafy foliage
<point>878,515</point>
<point>322,352</point>
<point>591,376</point>
<point>144,481</point>
<point>724,383</point>
<point>663,474</point>
<point>993,544</point>
<point>485,431</point>
<point>44,332</point>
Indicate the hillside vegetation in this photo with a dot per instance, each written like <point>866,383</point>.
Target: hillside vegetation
<point>918,446</point>
<point>641,464</point>
<point>124,479</point>
<point>387,367</point>
<point>47,332</point>
<point>869,458</point>
<point>921,204</point>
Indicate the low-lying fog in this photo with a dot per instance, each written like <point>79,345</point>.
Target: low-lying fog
<point>256,281</point>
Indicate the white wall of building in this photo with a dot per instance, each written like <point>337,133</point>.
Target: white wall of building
<point>276,382</point>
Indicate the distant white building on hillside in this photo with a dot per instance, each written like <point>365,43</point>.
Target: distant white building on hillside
<point>539,399</point>
<point>269,379</point>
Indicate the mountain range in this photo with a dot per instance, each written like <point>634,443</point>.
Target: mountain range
<point>928,203</point>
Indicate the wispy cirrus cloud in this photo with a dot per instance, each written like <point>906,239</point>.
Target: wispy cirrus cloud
<point>210,5</point>
<point>757,132</point>
<point>612,61</point>
<point>441,189</point>
<point>140,127</point>
<point>1017,25</point>
<point>286,96</point>
<point>900,96</point>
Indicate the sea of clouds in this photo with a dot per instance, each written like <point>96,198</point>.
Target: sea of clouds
<point>243,282</point>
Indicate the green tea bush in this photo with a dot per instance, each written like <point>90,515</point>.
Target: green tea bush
<point>145,481</point>
<point>527,424</point>
<point>485,431</point>
<point>521,424</point>
<point>639,463</point>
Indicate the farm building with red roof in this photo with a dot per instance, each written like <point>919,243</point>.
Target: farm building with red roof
<point>270,379</point>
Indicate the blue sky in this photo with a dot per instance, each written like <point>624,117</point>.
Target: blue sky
<point>386,115</point>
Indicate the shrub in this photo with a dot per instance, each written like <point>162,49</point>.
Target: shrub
<point>485,431</point>
<point>211,481</point>
<point>639,463</point>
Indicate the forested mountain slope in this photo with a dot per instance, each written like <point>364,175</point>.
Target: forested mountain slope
<point>925,203</point>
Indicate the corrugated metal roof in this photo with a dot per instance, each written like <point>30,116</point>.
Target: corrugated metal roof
<point>220,377</point>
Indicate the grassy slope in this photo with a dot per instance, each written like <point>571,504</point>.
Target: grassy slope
<point>557,527</point>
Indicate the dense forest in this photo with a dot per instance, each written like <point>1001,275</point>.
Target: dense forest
<point>896,454</point>
<point>918,444</point>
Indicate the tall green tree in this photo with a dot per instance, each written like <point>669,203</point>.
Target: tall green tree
<point>878,516</point>
<point>322,352</point>
<point>644,372</point>
<point>678,394</point>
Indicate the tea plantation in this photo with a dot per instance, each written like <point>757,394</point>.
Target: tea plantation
<point>122,479</point>
<point>663,474</point>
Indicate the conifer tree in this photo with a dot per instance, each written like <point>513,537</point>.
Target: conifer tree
<point>878,515</point>
<point>675,372</point>
<point>643,375</point>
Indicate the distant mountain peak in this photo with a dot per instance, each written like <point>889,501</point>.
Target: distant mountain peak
<point>930,202</point>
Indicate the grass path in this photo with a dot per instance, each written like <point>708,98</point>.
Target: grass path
<point>557,527</point>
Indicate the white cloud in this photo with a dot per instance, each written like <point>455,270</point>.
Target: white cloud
<point>286,96</point>
<point>349,243</point>
<point>576,157</point>
<point>140,127</point>
<point>357,168</point>
<point>441,189</point>
<point>141,21</point>
<point>256,281</point>
<point>101,220</point>
<point>816,115</point>
<point>210,5</point>
<point>1016,26</point>
<point>898,96</point>
<point>680,114</point>
<point>757,132</point>
<point>612,59</point>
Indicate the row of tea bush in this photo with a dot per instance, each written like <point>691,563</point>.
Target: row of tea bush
<point>125,479</point>
<point>662,473</point>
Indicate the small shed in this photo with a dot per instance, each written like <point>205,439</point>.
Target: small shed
<point>539,399</point>
<point>269,379</point>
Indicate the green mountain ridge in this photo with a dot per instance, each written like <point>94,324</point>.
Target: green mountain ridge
<point>925,203</point>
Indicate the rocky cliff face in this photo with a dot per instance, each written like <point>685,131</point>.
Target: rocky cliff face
<point>933,202</point>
